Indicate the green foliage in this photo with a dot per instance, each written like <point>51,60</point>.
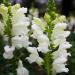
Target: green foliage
<point>8,25</point>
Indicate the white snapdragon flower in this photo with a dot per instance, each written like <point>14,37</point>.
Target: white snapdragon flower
<point>38,27</point>
<point>34,56</point>
<point>58,30</point>
<point>59,34</point>
<point>58,41</point>
<point>40,36</point>
<point>60,58</point>
<point>15,10</point>
<point>60,53</point>
<point>19,19</point>
<point>37,31</point>
<point>65,45</point>
<point>39,22</point>
<point>43,43</point>
<point>20,22</point>
<point>21,10</point>
<point>20,29</point>
<point>18,15</point>
<point>8,54</point>
<point>20,41</point>
<point>59,65</point>
<point>21,70</point>
<point>60,26</point>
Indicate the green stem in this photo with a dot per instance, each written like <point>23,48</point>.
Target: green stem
<point>49,17</point>
<point>48,63</point>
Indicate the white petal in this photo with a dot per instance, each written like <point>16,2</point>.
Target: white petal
<point>22,10</point>
<point>21,70</point>
<point>32,58</point>
<point>32,50</point>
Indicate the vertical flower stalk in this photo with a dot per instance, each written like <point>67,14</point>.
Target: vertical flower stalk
<point>49,17</point>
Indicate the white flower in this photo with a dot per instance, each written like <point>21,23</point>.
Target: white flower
<point>41,38</point>
<point>16,19</point>
<point>59,65</point>
<point>20,22</point>
<point>60,26</point>
<point>32,50</point>
<point>39,22</point>
<point>36,27</point>
<point>59,34</point>
<point>59,37</point>
<point>60,58</point>
<point>65,45</point>
<point>58,41</point>
<point>21,70</point>
<point>8,54</point>
<point>20,29</point>
<point>37,31</point>
<point>34,56</point>
<point>43,43</point>
<point>20,41</point>
<point>21,10</point>
<point>60,53</point>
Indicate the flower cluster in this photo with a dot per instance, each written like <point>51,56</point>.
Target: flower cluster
<point>20,31</point>
<point>59,36</point>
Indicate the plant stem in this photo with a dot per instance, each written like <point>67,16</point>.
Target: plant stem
<point>50,16</point>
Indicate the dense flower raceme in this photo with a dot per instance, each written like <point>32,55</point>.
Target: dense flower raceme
<point>24,30</point>
<point>60,56</point>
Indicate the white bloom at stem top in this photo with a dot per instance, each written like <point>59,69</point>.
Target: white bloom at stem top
<point>58,38</point>
<point>20,22</point>
<point>8,54</point>
<point>21,70</point>
<point>59,34</point>
<point>34,56</point>
<point>38,33</point>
